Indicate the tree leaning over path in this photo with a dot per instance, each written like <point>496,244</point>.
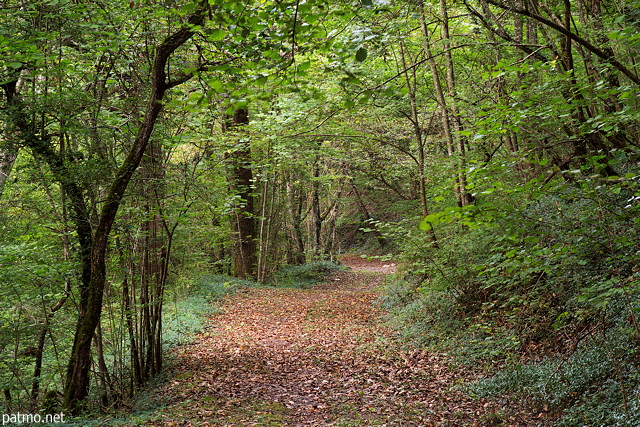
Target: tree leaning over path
<point>93,243</point>
<point>80,114</point>
<point>77,383</point>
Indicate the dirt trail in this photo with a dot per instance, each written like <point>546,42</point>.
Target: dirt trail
<point>318,357</point>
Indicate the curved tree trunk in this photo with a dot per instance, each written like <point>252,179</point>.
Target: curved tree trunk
<point>77,379</point>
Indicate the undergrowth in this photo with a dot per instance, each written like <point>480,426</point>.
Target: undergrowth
<point>187,309</point>
<point>304,276</point>
<point>191,303</point>
<point>542,289</point>
<point>597,384</point>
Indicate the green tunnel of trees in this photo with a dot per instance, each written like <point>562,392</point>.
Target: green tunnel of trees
<point>492,146</point>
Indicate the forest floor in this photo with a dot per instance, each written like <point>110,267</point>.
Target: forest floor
<point>315,357</point>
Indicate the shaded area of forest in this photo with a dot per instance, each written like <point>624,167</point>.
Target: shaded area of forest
<point>155,157</point>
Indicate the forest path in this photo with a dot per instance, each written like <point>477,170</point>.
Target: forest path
<point>314,357</point>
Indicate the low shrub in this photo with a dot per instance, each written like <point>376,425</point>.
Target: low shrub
<point>304,276</point>
<point>597,384</point>
<point>547,286</point>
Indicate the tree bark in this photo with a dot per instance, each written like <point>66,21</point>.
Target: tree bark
<point>8,157</point>
<point>10,147</point>
<point>465,197</point>
<point>77,378</point>
<point>296,201</point>
<point>411,83</point>
<point>241,182</point>
<point>453,149</point>
<point>152,272</point>
<point>316,224</point>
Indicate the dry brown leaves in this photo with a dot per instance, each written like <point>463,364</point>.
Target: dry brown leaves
<point>313,358</point>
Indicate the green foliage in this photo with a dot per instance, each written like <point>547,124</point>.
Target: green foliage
<point>424,316</point>
<point>438,303</point>
<point>550,244</point>
<point>304,276</point>
<point>544,270</point>
<point>32,280</point>
<point>591,385</point>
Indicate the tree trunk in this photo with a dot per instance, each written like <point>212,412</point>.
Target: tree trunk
<point>136,361</point>
<point>152,263</point>
<point>603,54</point>
<point>77,378</point>
<point>9,150</point>
<point>316,225</point>
<point>7,158</point>
<point>103,372</point>
<point>296,204</point>
<point>447,126</point>
<point>37,370</point>
<point>532,26</point>
<point>367,216</point>
<point>465,197</point>
<point>263,238</point>
<point>241,182</point>
<point>518,25</point>
<point>417,131</point>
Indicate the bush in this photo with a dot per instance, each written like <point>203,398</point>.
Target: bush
<point>304,276</point>
<point>538,275</point>
<point>589,386</point>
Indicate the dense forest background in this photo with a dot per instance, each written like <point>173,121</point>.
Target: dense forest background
<point>154,153</point>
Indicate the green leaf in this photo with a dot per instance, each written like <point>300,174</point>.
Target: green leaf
<point>361,54</point>
<point>217,34</point>
<point>188,8</point>
<point>425,225</point>
<point>271,54</point>
<point>261,80</point>
<point>304,66</point>
<point>216,84</point>
<point>428,222</point>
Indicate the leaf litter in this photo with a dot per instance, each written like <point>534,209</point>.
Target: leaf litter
<point>316,357</point>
